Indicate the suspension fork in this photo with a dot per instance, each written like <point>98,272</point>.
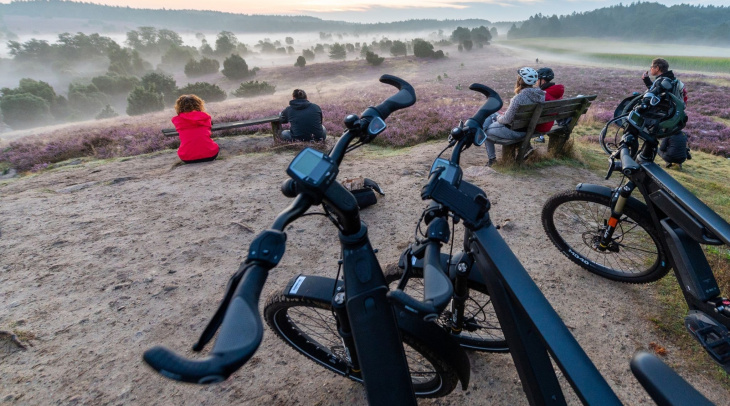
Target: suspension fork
<point>618,202</point>
<point>461,294</point>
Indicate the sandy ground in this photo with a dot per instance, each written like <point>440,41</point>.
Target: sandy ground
<point>100,261</point>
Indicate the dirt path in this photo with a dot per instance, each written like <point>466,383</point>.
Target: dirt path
<point>99,262</point>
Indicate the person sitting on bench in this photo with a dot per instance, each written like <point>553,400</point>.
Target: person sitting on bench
<point>305,118</point>
<point>193,125</point>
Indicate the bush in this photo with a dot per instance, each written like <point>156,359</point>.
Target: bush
<point>308,54</point>
<point>85,101</point>
<point>113,83</point>
<point>373,58</point>
<point>163,84</point>
<point>206,91</point>
<point>253,89</point>
<point>25,110</point>
<point>142,100</point>
<point>301,62</point>
<point>399,48</point>
<point>338,51</point>
<point>205,66</point>
<point>234,67</point>
<point>424,49</point>
<point>179,55</point>
<point>107,112</point>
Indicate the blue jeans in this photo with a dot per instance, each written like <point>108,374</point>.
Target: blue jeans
<point>286,135</point>
<point>498,132</point>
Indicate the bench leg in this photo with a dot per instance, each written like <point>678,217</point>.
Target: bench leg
<point>276,129</point>
<point>509,152</point>
<point>556,145</point>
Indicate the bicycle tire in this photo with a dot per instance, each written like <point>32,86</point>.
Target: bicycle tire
<point>483,332</point>
<point>309,326</point>
<point>574,220</point>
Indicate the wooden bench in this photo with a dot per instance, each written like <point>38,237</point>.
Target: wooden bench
<point>530,115</point>
<point>274,120</point>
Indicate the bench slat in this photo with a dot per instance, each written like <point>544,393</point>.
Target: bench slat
<point>171,132</point>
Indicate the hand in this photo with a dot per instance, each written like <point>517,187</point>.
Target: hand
<point>644,75</point>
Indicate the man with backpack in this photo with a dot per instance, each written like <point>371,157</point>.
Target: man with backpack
<point>552,91</point>
<point>660,69</point>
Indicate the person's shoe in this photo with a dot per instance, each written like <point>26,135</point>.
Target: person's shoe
<point>528,153</point>
<point>491,162</point>
<point>680,166</point>
<point>540,139</point>
<point>669,165</point>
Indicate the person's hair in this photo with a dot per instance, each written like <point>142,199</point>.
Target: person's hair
<point>661,64</point>
<point>189,102</point>
<point>299,94</point>
<point>520,85</point>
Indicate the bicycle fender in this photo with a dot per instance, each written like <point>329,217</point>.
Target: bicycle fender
<point>599,190</point>
<point>438,340</point>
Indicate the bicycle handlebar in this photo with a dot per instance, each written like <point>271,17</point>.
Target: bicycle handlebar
<point>404,98</point>
<point>628,165</point>
<point>492,105</point>
<point>240,335</point>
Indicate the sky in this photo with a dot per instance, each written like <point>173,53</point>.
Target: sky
<point>368,11</point>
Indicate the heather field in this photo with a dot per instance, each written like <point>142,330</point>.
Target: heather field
<point>342,88</point>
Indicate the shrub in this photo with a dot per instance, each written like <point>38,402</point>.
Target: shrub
<point>163,84</point>
<point>398,48</point>
<point>37,88</point>
<point>205,66</point>
<point>179,55</point>
<point>338,51</point>
<point>301,62</point>
<point>254,88</point>
<point>113,83</point>
<point>85,101</point>
<point>143,100</point>
<point>373,59</point>
<point>206,91</point>
<point>234,67</point>
<point>289,40</point>
<point>308,54</point>
<point>107,112</point>
<point>25,110</point>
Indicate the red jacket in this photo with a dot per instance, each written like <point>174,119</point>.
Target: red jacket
<point>194,130</point>
<point>554,92</point>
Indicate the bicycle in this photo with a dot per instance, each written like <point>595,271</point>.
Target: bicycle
<point>366,343</point>
<point>615,235</point>
<point>534,333</point>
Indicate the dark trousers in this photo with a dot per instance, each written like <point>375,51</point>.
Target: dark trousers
<point>194,161</point>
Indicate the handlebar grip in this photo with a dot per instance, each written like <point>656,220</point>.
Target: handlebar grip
<point>240,335</point>
<point>404,98</point>
<point>492,105</point>
<point>628,165</point>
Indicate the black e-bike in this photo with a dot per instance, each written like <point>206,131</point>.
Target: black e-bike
<point>362,335</point>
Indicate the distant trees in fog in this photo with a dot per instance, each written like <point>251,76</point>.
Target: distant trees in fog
<point>337,51</point>
<point>205,66</point>
<point>467,38</point>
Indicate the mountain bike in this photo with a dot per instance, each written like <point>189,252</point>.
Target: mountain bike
<point>346,325</point>
<point>617,236</point>
<point>534,333</point>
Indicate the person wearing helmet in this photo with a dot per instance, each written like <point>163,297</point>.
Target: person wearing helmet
<point>552,91</point>
<point>499,127</point>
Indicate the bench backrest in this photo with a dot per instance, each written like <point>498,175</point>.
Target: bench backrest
<point>171,132</point>
<point>551,111</point>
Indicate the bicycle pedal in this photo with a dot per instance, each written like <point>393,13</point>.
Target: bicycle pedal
<point>713,336</point>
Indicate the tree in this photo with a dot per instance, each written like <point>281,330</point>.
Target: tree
<point>162,84</point>
<point>301,62</point>
<point>289,40</point>
<point>422,49</point>
<point>206,91</point>
<point>468,45</point>
<point>493,32</point>
<point>460,34</point>
<point>25,110</point>
<point>253,89</point>
<point>85,101</point>
<point>107,112</point>
<point>481,36</point>
<point>338,51</point>
<point>398,48</point>
<point>225,43</point>
<point>205,66</point>
<point>235,67</point>
<point>125,62</point>
<point>373,58</point>
<point>142,101</point>
<point>179,55</point>
<point>113,83</point>
<point>308,54</point>
<point>37,88</point>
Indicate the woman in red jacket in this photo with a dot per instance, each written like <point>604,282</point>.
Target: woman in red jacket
<point>193,125</point>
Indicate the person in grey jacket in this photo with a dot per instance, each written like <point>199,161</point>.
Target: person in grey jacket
<point>499,127</point>
<point>305,118</point>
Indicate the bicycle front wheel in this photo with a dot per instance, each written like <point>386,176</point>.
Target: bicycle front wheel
<point>481,330</point>
<point>575,222</point>
<point>309,326</point>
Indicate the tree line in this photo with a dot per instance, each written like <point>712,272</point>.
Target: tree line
<point>637,22</point>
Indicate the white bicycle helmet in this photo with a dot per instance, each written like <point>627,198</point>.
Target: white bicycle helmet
<point>528,75</point>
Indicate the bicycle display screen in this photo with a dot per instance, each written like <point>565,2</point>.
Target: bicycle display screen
<point>451,172</point>
<point>376,126</point>
<point>312,168</point>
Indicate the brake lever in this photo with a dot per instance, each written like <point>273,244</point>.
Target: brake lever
<point>611,167</point>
